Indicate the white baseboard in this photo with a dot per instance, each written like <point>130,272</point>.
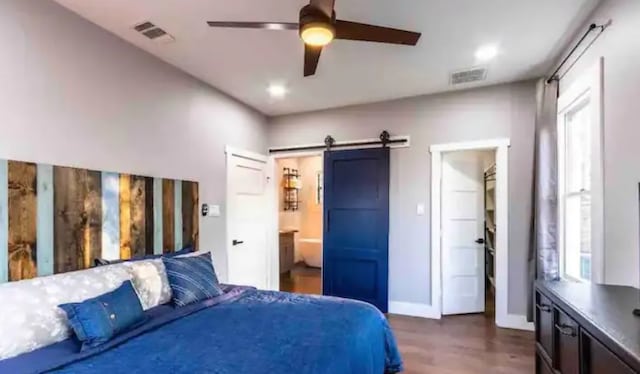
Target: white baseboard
<point>515,321</point>
<point>413,310</point>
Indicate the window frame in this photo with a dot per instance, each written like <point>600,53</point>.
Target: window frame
<point>587,86</point>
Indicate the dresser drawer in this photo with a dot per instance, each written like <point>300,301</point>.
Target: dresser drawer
<point>567,347</point>
<point>544,325</point>
<point>598,359</point>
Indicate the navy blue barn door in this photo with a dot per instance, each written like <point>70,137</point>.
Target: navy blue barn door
<point>356,229</point>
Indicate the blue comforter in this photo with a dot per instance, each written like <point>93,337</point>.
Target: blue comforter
<point>252,332</point>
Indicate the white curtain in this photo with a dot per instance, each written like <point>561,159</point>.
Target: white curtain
<point>543,251</point>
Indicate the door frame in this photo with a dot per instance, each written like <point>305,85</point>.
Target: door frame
<point>229,152</point>
<point>273,197</point>
<point>501,146</point>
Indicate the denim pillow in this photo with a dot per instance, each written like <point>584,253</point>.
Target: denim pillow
<point>192,279</point>
<point>103,262</point>
<point>96,321</point>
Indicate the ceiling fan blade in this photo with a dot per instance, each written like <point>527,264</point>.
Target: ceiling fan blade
<point>326,6</point>
<point>370,33</point>
<point>311,59</point>
<point>256,25</point>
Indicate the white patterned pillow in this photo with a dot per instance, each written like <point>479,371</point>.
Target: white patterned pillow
<point>29,309</point>
<point>149,278</point>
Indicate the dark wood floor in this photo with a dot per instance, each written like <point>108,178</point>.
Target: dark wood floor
<point>302,279</point>
<point>452,345</point>
<point>462,344</point>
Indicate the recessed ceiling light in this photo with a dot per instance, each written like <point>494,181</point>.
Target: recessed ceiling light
<point>277,90</point>
<point>487,52</point>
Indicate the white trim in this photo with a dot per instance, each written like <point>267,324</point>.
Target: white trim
<point>515,321</point>
<point>413,310</point>
<point>297,154</point>
<point>245,154</point>
<point>502,236</point>
<point>436,262</point>
<point>588,84</point>
<point>273,251</point>
<point>338,144</point>
<point>476,145</point>
<point>502,222</point>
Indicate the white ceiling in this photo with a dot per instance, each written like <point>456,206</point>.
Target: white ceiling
<point>242,63</point>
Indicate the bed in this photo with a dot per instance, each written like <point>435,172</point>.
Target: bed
<point>242,331</point>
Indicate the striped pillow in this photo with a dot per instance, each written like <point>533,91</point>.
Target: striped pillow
<point>192,279</point>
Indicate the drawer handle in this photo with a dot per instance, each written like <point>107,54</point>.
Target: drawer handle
<point>544,308</point>
<point>566,330</point>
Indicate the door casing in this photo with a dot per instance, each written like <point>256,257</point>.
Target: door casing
<point>501,146</point>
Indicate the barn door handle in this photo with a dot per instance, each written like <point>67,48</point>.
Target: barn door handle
<point>236,242</point>
<point>328,220</point>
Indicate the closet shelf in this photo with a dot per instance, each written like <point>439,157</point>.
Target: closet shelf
<point>489,223</point>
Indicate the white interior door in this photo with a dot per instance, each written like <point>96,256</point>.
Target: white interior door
<point>247,219</point>
<point>462,226</point>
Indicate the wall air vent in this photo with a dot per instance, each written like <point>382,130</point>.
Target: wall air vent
<point>468,76</point>
<point>153,32</point>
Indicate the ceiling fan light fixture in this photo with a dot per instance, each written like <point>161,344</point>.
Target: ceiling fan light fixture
<point>317,34</point>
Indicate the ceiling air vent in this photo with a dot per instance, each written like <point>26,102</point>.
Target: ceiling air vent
<point>468,76</point>
<point>153,32</point>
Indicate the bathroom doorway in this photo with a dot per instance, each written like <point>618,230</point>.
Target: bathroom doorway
<point>300,183</point>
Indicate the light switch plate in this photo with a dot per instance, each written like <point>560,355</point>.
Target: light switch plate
<point>210,210</point>
<point>420,209</point>
<point>214,211</point>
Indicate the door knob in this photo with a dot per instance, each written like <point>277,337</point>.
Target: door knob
<point>236,242</point>
<point>480,241</point>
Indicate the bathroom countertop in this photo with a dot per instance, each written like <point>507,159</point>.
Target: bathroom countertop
<point>288,231</point>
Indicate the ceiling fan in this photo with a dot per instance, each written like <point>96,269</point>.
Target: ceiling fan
<point>318,27</point>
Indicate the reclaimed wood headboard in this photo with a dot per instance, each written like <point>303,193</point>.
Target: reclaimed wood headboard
<point>55,219</point>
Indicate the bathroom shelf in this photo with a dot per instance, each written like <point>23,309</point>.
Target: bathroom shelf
<point>291,185</point>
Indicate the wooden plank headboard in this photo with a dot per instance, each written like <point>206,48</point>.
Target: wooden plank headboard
<point>55,219</point>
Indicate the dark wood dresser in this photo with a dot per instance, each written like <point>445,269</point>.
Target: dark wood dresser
<point>586,329</point>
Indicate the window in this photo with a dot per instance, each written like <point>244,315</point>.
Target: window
<point>580,179</point>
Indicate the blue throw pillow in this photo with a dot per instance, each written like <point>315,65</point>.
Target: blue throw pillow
<point>192,279</point>
<point>103,262</point>
<point>96,321</point>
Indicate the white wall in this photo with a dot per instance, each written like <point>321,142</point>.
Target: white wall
<point>493,112</point>
<point>620,47</point>
<point>73,94</point>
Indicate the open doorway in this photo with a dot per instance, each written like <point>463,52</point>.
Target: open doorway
<point>299,185</point>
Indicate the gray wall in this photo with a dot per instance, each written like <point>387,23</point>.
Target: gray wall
<point>493,112</point>
<point>74,94</point>
<point>620,47</point>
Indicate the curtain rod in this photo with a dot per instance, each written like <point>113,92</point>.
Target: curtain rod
<point>592,27</point>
